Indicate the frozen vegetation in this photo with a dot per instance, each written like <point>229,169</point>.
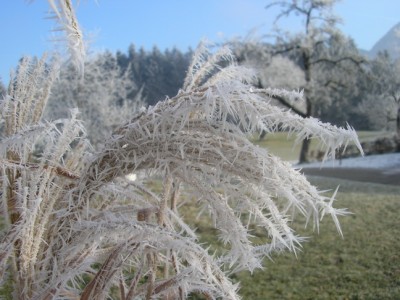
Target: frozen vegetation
<point>74,225</point>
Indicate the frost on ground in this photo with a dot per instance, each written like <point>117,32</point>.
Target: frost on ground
<point>387,162</point>
<point>382,169</point>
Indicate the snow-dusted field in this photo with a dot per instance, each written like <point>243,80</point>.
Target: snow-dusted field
<point>388,162</point>
<point>384,169</point>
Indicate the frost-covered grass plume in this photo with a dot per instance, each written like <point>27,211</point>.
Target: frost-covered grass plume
<point>76,227</point>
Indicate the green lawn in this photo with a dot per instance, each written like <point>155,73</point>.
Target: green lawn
<point>365,264</point>
<point>280,144</point>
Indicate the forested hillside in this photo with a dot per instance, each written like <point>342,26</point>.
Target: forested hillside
<point>158,73</point>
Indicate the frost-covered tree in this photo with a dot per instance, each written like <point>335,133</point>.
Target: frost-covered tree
<point>76,227</point>
<point>105,95</point>
<point>2,89</point>
<point>272,71</point>
<point>379,111</point>
<point>381,103</point>
<point>312,47</point>
<point>282,73</point>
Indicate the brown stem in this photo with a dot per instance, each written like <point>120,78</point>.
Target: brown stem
<point>122,289</point>
<point>134,283</point>
<point>163,205</point>
<point>152,276</point>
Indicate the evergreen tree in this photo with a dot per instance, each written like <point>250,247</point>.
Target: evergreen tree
<point>158,74</point>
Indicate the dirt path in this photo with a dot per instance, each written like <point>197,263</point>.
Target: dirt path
<point>383,176</point>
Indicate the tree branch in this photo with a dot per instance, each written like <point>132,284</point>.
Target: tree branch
<point>285,50</point>
<point>335,62</point>
<point>285,103</point>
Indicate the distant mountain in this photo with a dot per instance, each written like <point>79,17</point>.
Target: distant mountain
<point>389,42</point>
<point>364,52</point>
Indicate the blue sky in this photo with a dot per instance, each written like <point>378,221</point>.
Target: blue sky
<point>115,24</point>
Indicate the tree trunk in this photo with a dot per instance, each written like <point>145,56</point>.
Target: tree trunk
<point>307,97</point>
<point>398,123</point>
<point>262,135</point>
<point>305,146</point>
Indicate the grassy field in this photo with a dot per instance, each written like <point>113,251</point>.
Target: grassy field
<point>365,264</point>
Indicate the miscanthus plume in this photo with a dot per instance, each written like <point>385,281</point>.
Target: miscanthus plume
<point>77,227</point>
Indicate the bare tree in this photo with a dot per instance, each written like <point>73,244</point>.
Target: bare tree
<point>313,48</point>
